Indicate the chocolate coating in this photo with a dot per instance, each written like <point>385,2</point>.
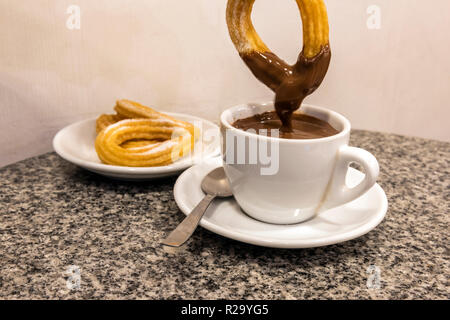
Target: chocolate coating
<point>291,84</point>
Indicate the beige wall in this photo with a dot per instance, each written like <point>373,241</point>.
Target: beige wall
<point>177,56</point>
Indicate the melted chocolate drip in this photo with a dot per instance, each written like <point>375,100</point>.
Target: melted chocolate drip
<point>291,84</point>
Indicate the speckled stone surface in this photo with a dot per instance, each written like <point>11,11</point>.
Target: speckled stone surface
<point>54,215</point>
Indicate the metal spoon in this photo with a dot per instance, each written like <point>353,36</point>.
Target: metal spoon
<point>215,184</point>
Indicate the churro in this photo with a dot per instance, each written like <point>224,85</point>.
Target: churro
<point>246,39</point>
<point>139,136</point>
<point>106,120</point>
<point>134,110</point>
<point>291,84</point>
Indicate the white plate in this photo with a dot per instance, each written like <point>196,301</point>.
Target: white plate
<point>75,143</point>
<point>224,217</point>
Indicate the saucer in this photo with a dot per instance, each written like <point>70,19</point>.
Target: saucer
<point>75,143</point>
<point>336,225</point>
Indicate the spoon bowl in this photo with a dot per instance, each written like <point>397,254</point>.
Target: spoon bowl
<point>215,184</point>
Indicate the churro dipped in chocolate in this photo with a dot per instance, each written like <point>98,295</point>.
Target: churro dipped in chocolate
<point>291,84</point>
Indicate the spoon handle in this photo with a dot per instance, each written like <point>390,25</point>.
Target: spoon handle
<point>186,228</point>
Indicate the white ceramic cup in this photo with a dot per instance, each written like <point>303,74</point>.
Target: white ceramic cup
<point>309,176</point>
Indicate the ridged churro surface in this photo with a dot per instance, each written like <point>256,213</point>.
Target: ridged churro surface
<point>291,84</point>
<point>139,136</point>
<point>246,39</point>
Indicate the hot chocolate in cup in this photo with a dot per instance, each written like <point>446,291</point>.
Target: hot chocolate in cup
<point>285,181</point>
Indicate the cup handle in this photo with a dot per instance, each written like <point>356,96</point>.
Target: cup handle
<point>338,192</point>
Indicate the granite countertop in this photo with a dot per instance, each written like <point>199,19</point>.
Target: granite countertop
<point>54,215</point>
